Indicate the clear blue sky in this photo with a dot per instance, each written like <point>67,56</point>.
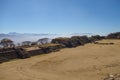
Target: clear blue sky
<point>60,16</point>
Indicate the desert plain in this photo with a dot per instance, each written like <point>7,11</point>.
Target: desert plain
<point>88,62</point>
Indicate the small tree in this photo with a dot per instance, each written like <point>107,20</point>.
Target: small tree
<point>7,42</point>
<point>26,43</point>
<point>43,40</point>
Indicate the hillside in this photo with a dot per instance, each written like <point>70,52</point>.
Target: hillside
<point>89,62</point>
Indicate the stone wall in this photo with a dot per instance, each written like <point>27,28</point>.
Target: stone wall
<point>7,54</point>
<point>35,52</point>
<point>74,41</point>
<point>14,53</point>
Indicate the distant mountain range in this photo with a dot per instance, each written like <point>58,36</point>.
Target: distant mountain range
<point>23,34</point>
<point>19,37</point>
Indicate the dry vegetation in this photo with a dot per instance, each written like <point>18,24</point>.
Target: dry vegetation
<point>89,62</point>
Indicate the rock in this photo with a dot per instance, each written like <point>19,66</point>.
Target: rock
<point>22,53</point>
<point>113,77</point>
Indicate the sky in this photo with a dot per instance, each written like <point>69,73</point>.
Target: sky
<point>60,16</point>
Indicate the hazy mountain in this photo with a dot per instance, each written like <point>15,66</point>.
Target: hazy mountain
<point>79,34</point>
<point>19,37</point>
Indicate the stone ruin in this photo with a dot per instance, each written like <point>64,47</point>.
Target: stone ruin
<point>7,54</point>
<point>56,44</point>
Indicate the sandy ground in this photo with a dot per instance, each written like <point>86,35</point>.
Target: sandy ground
<point>89,62</point>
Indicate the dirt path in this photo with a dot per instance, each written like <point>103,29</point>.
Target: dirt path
<point>89,62</point>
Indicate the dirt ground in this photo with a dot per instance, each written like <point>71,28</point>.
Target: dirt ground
<point>89,62</point>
